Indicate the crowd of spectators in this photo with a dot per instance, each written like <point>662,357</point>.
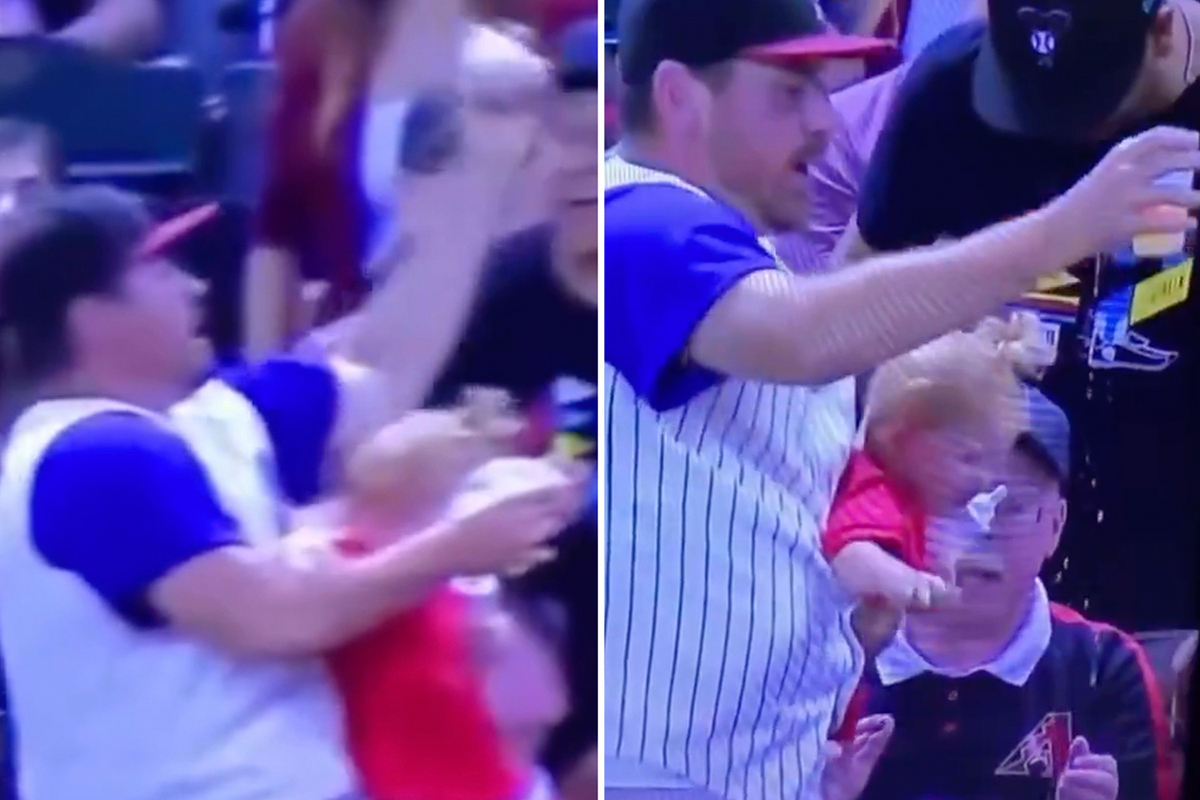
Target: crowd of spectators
<point>308,190</point>
<point>981,112</point>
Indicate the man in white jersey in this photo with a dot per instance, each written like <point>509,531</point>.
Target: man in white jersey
<point>159,642</point>
<point>728,652</point>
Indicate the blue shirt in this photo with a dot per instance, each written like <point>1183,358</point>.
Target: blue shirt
<point>120,501</point>
<point>669,255</point>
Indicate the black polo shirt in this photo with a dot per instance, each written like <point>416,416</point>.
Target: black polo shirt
<point>1002,733</point>
<point>1128,372</point>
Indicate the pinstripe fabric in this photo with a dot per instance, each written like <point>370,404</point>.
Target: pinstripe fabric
<point>728,650</point>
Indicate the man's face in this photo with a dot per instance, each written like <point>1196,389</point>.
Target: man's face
<point>152,326</point>
<point>573,125</point>
<point>1024,533</point>
<point>767,125</point>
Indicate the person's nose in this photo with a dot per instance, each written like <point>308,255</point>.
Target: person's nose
<point>820,121</point>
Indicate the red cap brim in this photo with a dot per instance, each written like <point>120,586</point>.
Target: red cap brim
<point>168,234</point>
<point>821,46</point>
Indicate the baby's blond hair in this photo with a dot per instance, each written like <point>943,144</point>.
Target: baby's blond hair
<point>965,376</point>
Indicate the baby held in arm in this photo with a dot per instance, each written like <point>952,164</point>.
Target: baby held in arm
<point>938,420</point>
<point>419,723</point>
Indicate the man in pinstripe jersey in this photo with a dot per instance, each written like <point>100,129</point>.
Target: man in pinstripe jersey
<point>729,411</point>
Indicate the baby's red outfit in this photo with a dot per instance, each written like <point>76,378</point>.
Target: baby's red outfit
<point>418,720</point>
<point>871,506</point>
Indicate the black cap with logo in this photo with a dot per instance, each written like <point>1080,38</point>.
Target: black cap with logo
<point>1059,68</point>
<point>702,33</point>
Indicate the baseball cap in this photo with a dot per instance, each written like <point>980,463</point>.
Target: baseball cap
<point>70,243</point>
<point>1059,68</point>
<point>1048,435</point>
<point>701,33</point>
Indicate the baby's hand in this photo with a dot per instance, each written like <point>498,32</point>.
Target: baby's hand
<point>913,590</point>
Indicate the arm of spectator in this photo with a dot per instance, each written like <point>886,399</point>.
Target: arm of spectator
<point>412,323</point>
<point>122,28</point>
<point>1130,716</point>
<point>272,293</point>
<point>284,218</point>
<point>122,503</point>
<point>780,328</point>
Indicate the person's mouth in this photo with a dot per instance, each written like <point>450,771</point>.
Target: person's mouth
<point>978,571</point>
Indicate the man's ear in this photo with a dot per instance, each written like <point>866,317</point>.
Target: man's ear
<point>1057,524</point>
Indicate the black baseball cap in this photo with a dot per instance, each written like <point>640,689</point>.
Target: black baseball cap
<point>1047,437</point>
<point>701,33</point>
<point>69,243</point>
<point>1059,68</point>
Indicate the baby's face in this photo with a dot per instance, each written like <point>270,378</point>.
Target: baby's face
<point>951,464</point>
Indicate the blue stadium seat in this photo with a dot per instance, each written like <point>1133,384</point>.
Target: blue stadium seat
<point>114,121</point>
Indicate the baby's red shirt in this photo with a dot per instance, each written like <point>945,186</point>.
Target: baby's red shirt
<point>871,506</point>
<point>417,718</point>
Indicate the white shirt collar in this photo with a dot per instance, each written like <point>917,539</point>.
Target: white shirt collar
<point>900,661</point>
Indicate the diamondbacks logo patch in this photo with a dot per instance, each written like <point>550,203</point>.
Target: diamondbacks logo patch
<point>1042,753</point>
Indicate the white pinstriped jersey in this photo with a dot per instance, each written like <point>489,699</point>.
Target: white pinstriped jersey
<point>728,649</point>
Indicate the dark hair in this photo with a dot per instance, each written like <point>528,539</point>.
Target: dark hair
<point>637,99</point>
<point>19,134</point>
<point>51,254</point>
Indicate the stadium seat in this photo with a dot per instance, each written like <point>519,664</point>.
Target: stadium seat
<point>114,121</point>
<point>1161,647</point>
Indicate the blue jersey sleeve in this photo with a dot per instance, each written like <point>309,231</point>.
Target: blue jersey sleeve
<point>120,501</point>
<point>298,402</point>
<point>669,255</point>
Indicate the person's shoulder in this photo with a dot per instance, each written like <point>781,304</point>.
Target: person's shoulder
<point>115,435</point>
<point>653,217</point>
<point>948,61</point>
<point>1106,649</point>
<point>112,448</point>
<point>935,88</point>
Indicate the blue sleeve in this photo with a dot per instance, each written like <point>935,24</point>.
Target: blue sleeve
<point>669,255</point>
<point>120,502</point>
<point>298,403</point>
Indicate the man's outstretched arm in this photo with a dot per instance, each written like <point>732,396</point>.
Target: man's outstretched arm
<point>806,330</point>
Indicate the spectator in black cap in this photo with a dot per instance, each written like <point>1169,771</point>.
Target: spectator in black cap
<point>998,117</point>
<point>1007,696</point>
